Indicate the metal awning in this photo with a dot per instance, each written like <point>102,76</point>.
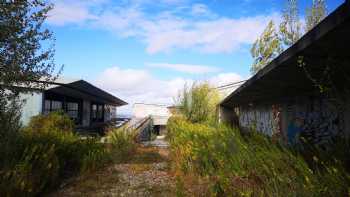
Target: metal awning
<point>284,78</point>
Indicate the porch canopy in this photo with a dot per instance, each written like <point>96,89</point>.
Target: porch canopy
<point>328,44</point>
<point>83,90</point>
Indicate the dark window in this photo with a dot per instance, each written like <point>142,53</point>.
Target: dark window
<point>94,111</point>
<point>51,105</point>
<point>97,112</point>
<point>73,110</point>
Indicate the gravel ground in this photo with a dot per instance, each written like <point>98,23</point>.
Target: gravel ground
<point>146,174</point>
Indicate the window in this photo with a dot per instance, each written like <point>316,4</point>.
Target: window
<point>73,110</point>
<point>51,105</point>
<point>97,112</point>
<point>94,111</point>
<point>56,105</point>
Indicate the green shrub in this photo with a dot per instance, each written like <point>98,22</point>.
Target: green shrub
<point>44,153</point>
<point>53,122</point>
<point>122,142</point>
<point>36,170</point>
<point>249,165</point>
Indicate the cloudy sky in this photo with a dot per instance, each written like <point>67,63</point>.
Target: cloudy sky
<point>146,50</point>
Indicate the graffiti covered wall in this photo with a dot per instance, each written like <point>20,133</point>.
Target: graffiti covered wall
<point>264,119</point>
<point>316,119</point>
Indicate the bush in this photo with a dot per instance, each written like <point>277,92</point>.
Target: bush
<point>233,165</point>
<point>45,153</point>
<point>53,122</point>
<point>122,141</point>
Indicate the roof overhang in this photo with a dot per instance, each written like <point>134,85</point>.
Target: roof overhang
<point>84,90</point>
<point>283,77</point>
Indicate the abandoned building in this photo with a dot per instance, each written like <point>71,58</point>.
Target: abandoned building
<point>159,114</point>
<point>304,91</point>
<point>88,106</point>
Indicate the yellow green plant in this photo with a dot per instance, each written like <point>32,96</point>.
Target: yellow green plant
<point>198,103</point>
<point>41,155</point>
<point>248,165</point>
<point>122,142</point>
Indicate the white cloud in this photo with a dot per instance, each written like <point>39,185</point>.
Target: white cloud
<point>199,9</point>
<point>186,68</point>
<point>138,85</point>
<point>73,12</point>
<point>225,78</point>
<point>168,29</point>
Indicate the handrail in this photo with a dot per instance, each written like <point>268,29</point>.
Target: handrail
<point>137,125</point>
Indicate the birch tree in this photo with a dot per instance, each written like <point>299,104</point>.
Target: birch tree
<point>315,14</point>
<point>290,27</point>
<point>265,48</point>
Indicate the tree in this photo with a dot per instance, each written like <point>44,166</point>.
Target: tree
<point>290,27</point>
<point>315,14</point>
<point>265,48</point>
<point>198,103</point>
<point>26,50</point>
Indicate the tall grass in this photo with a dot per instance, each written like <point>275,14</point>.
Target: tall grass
<point>41,155</point>
<point>235,165</point>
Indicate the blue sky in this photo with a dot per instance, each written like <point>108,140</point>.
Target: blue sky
<point>146,50</point>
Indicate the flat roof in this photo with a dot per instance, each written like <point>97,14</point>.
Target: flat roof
<point>284,78</point>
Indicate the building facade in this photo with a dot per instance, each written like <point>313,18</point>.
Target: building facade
<point>159,114</point>
<point>84,103</point>
<point>304,92</point>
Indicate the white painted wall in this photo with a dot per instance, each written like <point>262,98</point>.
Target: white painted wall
<point>32,106</point>
<point>144,110</point>
<point>159,113</point>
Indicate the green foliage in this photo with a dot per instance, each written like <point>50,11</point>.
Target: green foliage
<point>123,142</point>
<point>270,44</point>
<point>29,164</point>
<point>36,169</point>
<point>198,103</point>
<point>26,53</point>
<point>250,165</point>
<point>315,14</point>
<point>43,154</point>
<point>290,27</point>
<point>265,48</point>
<point>26,46</point>
<point>53,122</point>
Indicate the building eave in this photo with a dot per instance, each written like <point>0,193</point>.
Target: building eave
<point>328,38</point>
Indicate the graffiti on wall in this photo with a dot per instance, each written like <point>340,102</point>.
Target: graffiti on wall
<point>266,119</point>
<point>316,120</point>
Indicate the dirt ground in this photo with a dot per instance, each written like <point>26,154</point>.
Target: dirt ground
<point>146,173</point>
